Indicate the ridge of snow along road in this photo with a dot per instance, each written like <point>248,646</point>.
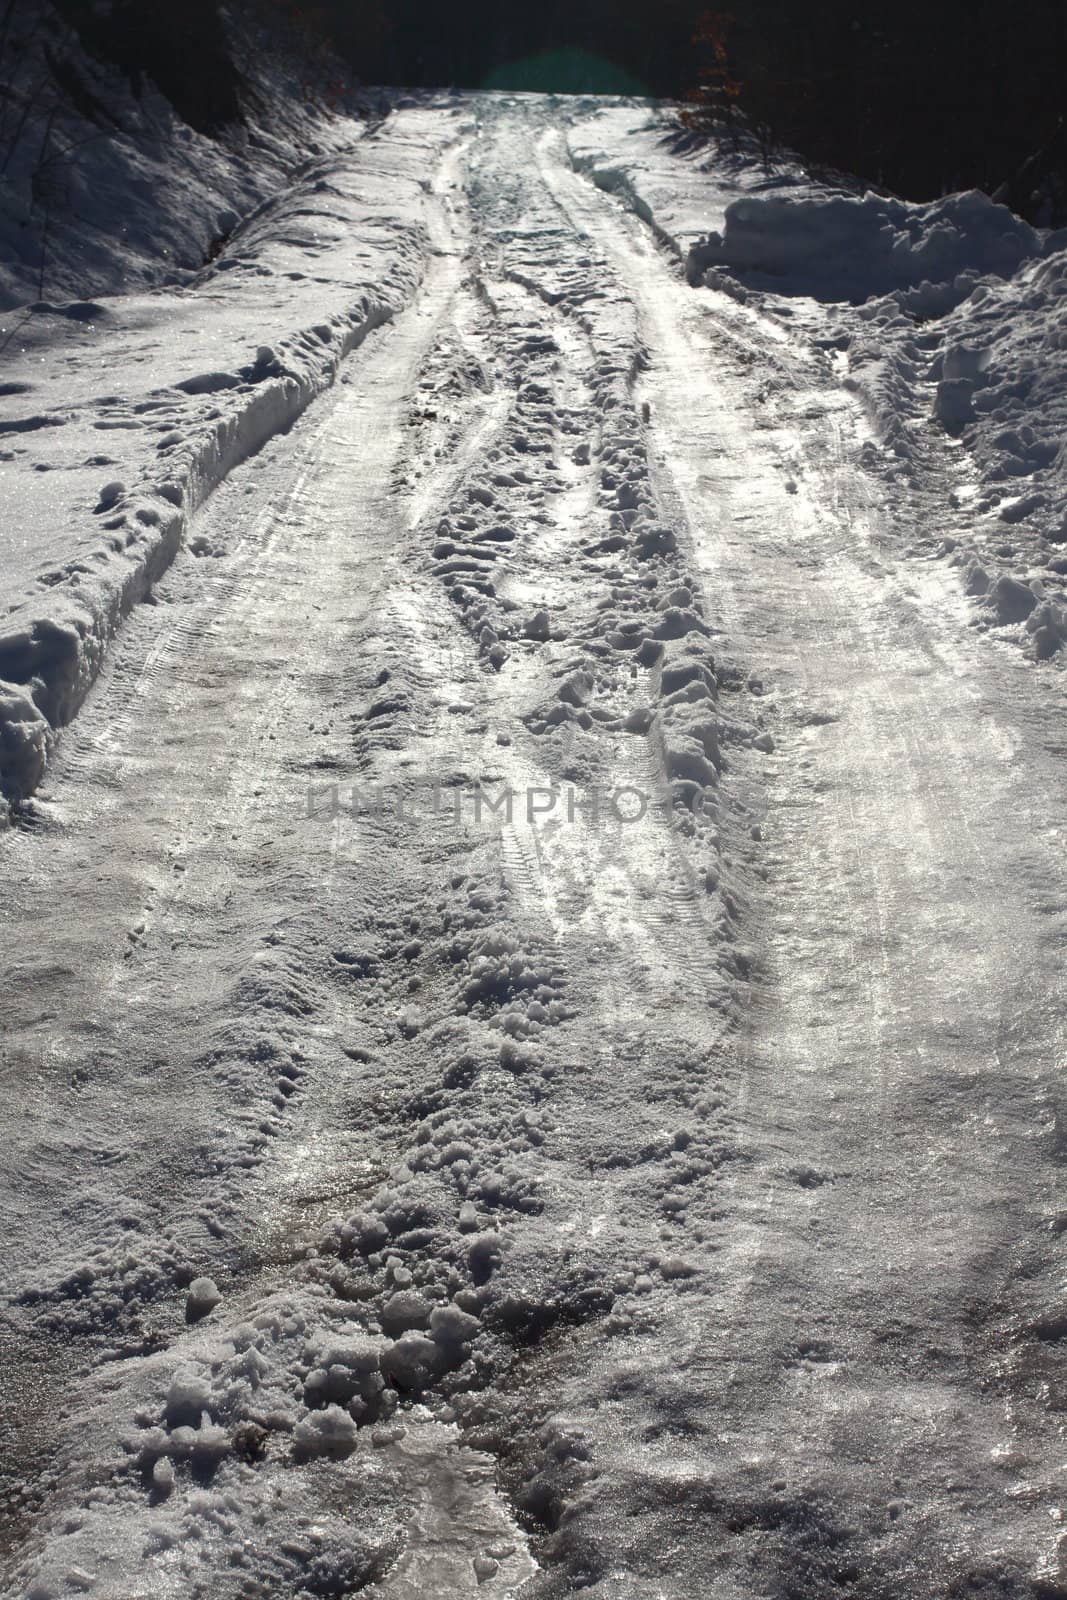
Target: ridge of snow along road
<point>119,417</point>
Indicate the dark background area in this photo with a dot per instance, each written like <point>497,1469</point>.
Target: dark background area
<point>918,98</point>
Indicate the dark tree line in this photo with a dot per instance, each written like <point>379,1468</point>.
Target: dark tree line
<point>586,45</point>
<point>920,96</point>
<point>182,47</point>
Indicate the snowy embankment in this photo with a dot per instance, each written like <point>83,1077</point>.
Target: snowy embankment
<point>946,320</point>
<point>119,417</point>
<point>105,188</point>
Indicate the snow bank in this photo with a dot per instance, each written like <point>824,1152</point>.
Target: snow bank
<point>195,388</point>
<point>1000,376</point>
<point>769,224</point>
<point>839,247</point>
<point>108,191</point>
<point>969,408</point>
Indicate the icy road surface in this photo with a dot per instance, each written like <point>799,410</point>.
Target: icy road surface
<point>653,1196</point>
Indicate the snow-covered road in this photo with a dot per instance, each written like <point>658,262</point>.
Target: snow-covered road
<point>556,914</point>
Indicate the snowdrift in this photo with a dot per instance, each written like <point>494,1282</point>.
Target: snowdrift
<point>838,247</point>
